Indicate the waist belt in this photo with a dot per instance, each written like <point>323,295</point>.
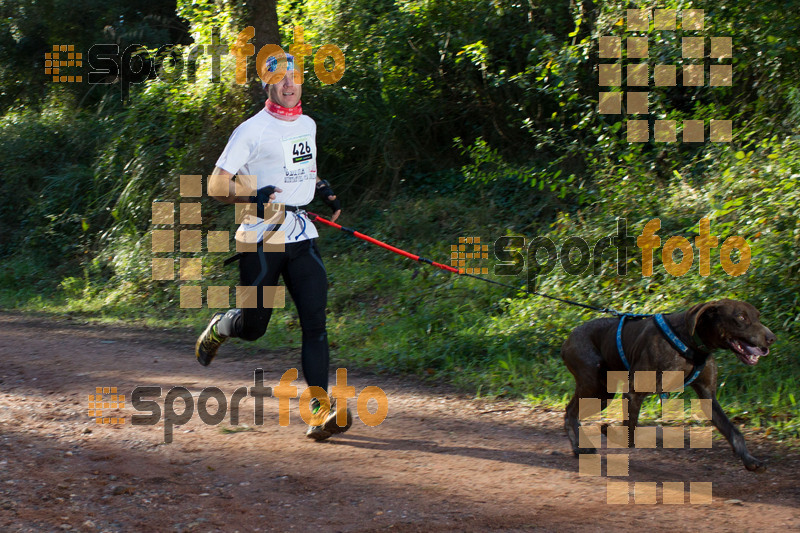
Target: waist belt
<point>272,227</point>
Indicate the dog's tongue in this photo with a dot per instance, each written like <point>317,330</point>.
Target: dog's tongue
<point>753,350</point>
<point>747,353</point>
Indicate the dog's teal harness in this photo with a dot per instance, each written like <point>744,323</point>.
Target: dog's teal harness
<point>696,357</point>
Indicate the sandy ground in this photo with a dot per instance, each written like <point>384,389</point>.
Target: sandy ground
<point>440,461</point>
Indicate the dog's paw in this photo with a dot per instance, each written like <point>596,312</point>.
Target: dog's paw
<point>755,465</point>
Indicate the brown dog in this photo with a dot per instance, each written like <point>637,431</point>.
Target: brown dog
<point>591,350</point>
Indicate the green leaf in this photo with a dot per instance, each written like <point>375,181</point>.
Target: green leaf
<point>739,155</point>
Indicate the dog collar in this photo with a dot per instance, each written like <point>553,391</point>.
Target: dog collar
<point>697,356</point>
<point>670,335</point>
<point>698,342</point>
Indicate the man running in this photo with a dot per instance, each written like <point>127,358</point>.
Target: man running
<point>276,150</point>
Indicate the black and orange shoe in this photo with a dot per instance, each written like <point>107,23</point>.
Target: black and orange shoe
<point>205,349</point>
<point>323,421</point>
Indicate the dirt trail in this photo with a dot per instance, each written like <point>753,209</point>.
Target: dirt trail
<point>439,462</point>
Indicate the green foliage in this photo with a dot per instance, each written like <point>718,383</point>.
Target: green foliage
<point>51,203</point>
<point>419,74</point>
<point>29,29</point>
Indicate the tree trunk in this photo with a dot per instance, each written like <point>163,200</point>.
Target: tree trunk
<point>263,16</point>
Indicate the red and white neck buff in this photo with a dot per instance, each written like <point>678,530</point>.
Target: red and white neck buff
<point>283,113</point>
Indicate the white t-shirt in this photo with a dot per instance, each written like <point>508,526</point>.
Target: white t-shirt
<point>279,153</point>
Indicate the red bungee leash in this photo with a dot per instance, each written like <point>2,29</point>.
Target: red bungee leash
<point>316,218</point>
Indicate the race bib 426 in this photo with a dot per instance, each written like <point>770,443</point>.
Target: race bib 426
<point>298,152</point>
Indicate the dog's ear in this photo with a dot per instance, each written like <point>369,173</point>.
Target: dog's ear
<point>694,315</point>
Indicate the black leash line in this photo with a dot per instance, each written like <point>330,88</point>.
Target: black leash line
<point>357,234</point>
<point>586,306</point>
